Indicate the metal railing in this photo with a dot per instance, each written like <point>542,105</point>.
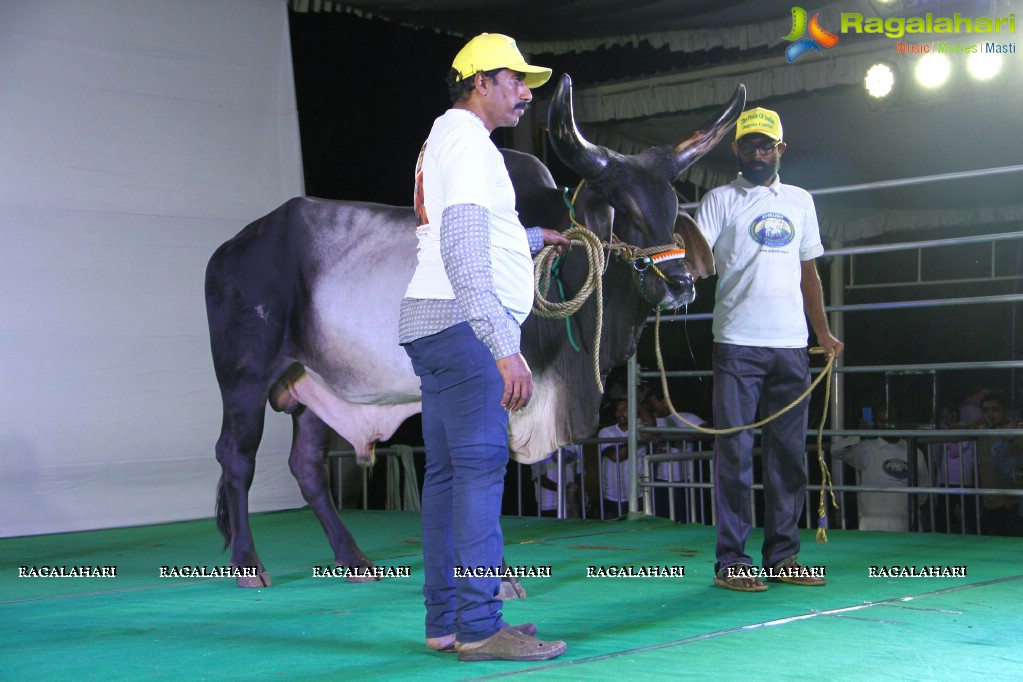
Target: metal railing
<point>912,436</point>
<point>698,505</point>
<point>337,457</point>
<point>594,500</point>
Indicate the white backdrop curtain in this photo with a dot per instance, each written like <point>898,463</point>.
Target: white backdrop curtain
<point>136,136</point>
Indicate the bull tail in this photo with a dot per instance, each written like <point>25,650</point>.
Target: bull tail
<point>223,514</point>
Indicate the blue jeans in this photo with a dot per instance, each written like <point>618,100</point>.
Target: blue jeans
<point>746,377</point>
<point>466,434</point>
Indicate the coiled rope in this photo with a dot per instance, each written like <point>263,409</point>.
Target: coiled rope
<point>543,265</point>
<point>548,261</point>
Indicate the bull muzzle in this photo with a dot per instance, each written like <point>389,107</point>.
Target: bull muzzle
<point>667,285</point>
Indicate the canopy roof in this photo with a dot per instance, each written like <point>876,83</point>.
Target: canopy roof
<point>650,72</point>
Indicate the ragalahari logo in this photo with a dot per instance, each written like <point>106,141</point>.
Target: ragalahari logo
<point>819,36</point>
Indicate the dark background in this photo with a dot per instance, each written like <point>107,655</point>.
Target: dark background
<point>367,94</point>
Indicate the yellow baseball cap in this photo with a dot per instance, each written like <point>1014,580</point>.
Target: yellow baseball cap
<point>489,51</point>
<point>763,121</point>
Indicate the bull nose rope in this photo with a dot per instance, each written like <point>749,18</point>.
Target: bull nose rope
<point>826,373</point>
<point>547,264</point>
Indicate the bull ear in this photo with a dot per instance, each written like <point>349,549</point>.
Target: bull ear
<point>699,256</point>
<point>702,141</point>
<point>596,214</point>
<point>586,159</point>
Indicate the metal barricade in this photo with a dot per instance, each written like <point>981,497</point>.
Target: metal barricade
<point>966,498</point>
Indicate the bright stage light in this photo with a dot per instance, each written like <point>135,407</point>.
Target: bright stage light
<point>933,70</point>
<point>984,65</point>
<point>879,80</point>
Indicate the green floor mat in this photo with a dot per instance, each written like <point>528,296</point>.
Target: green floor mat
<point>859,626</point>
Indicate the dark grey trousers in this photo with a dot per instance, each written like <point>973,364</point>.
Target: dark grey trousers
<point>746,377</point>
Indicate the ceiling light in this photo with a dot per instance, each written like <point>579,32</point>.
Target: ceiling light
<point>933,70</point>
<point>984,65</point>
<point>879,80</point>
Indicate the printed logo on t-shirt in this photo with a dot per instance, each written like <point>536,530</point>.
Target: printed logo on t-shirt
<point>896,468</point>
<point>419,201</point>
<point>772,229</point>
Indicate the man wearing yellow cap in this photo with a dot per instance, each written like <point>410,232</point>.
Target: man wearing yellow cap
<point>765,238</point>
<point>471,290</point>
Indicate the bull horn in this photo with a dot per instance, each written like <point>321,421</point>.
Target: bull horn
<point>586,159</point>
<point>702,141</point>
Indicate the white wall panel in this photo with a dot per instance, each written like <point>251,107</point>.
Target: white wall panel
<point>135,137</point>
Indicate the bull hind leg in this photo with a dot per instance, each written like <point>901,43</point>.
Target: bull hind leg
<point>309,468</point>
<point>237,457</point>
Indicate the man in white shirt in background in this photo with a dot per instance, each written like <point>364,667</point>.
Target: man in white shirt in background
<point>545,475</point>
<point>668,443</point>
<point>881,463</point>
<point>615,465</point>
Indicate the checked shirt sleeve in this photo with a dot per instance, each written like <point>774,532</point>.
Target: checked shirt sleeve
<point>534,235</point>
<point>465,249</point>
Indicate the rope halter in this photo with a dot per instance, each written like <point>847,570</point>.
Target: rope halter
<point>642,263</point>
<point>650,259</point>
<point>642,260</point>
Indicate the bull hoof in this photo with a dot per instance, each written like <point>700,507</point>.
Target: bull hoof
<point>261,580</point>
<point>511,588</point>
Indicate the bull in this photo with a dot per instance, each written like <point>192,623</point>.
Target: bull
<point>303,304</point>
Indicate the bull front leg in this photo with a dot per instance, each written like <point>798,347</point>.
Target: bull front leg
<point>309,468</point>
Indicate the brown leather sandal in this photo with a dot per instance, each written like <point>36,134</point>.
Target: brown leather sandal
<point>446,644</point>
<point>736,579</point>
<point>510,644</point>
<point>792,572</point>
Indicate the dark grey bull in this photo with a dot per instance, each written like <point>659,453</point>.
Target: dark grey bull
<point>303,313</point>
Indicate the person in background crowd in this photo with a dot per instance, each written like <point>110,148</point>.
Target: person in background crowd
<point>658,406</point>
<point>954,465</point>
<point>545,474</point>
<point>1000,465</point>
<point>881,463</point>
<point>615,466</point>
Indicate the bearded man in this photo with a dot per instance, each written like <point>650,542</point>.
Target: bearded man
<point>765,239</point>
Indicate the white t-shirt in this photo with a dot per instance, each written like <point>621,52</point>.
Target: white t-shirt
<point>759,235</point>
<point>459,164</point>
<point>880,464</point>
<point>571,467</point>
<point>615,475</point>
